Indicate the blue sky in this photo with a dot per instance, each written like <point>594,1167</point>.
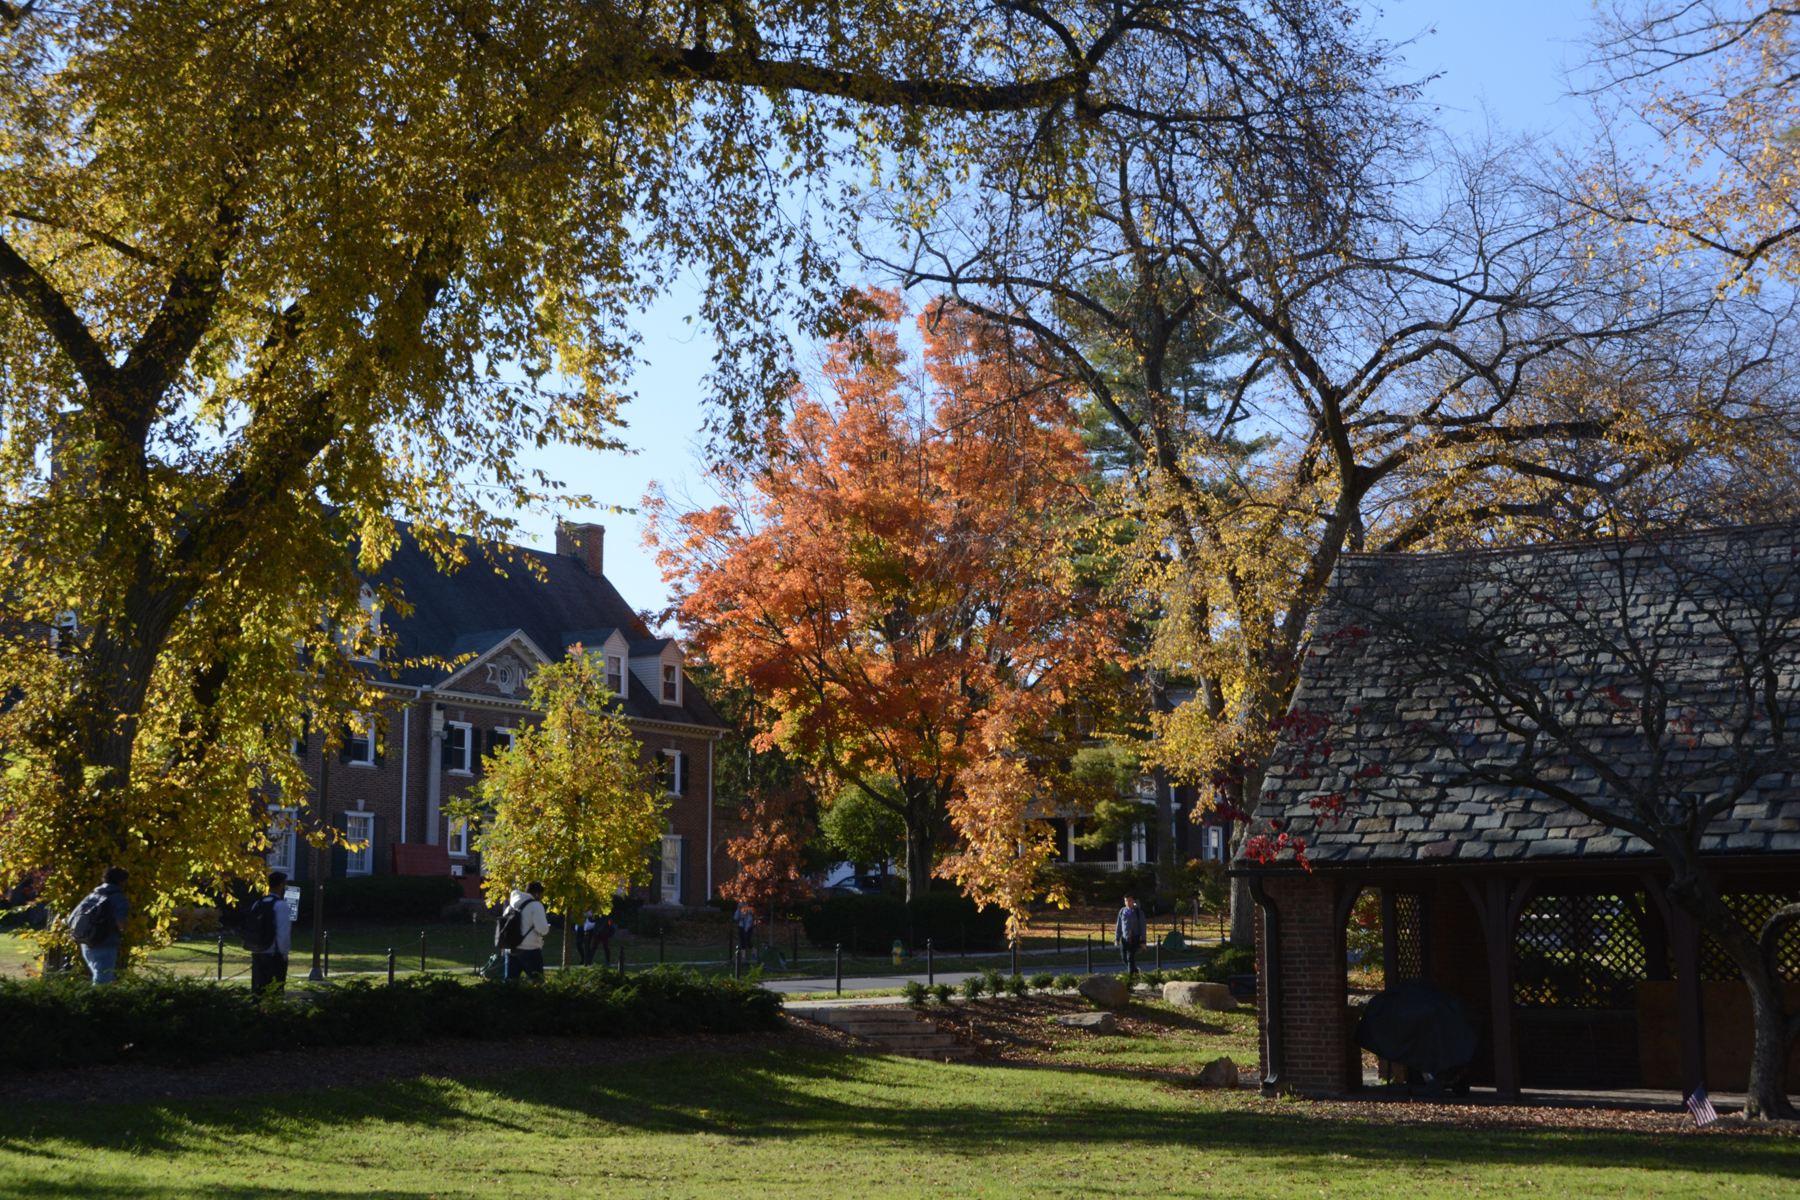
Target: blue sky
<point>1503,63</point>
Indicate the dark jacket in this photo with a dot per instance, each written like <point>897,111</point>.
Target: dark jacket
<point>115,899</point>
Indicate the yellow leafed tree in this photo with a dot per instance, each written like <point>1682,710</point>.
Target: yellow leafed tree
<point>571,803</point>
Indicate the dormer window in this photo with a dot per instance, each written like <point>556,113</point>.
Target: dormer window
<point>615,674</point>
<point>671,684</point>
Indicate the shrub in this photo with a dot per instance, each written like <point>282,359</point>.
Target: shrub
<point>972,987</point>
<point>915,993</point>
<point>875,922</point>
<point>941,992</point>
<point>1232,960</point>
<point>1067,983</point>
<point>65,1022</point>
<point>1043,982</point>
<point>1154,978</point>
<point>1016,986</point>
<point>993,980</point>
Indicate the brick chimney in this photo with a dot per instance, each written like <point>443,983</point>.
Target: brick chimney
<point>584,542</point>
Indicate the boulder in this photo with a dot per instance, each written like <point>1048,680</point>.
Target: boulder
<point>1105,990</point>
<point>1220,1072</point>
<point>1213,997</point>
<point>1100,1022</point>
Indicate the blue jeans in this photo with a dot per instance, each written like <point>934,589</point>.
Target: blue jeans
<point>101,961</point>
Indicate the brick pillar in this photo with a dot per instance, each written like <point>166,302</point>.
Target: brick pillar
<point>1313,1000</point>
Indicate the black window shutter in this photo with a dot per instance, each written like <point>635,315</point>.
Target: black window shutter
<point>681,775</point>
<point>684,871</point>
<point>344,743</point>
<point>656,868</point>
<point>378,731</point>
<point>340,858</point>
<point>448,755</point>
<point>378,849</point>
<point>475,755</point>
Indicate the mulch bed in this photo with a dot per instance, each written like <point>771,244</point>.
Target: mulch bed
<point>357,1066</point>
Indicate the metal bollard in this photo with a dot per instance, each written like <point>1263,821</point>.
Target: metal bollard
<point>840,968</point>
<point>221,975</point>
<point>1090,954</point>
<point>1015,956</point>
<point>930,966</point>
<point>421,951</point>
<point>390,964</point>
<point>1159,956</point>
<point>328,954</point>
<point>795,931</point>
<point>1059,937</point>
<point>661,949</point>
<point>737,965</point>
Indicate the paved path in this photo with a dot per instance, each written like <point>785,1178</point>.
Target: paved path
<point>866,983</point>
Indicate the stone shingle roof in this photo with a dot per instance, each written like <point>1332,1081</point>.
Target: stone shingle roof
<point>1398,743</point>
<point>471,608</point>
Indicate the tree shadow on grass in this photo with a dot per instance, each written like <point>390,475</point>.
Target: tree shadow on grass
<point>794,1096</point>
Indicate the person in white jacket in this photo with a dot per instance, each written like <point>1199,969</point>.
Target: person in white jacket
<point>528,957</point>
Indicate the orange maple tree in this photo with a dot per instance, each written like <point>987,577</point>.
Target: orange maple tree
<point>771,856</point>
<point>893,580</point>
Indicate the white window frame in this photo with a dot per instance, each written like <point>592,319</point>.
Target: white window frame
<point>671,682</point>
<point>283,834</point>
<point>468,758</point>
<point>616,675</point>
<point>512,737</point>
<point>1215,843</point>
<point>676,762</point>
<point>359,862</point>
<point>456,837</point>
<point>671,868</point>
<point>360,721</point>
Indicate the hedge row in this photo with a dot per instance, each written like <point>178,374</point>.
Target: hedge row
<point>873,923</point>
<point>67,1022</point>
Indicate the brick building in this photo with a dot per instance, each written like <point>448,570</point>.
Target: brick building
<point>1551,928</point>
<point>390,782</point>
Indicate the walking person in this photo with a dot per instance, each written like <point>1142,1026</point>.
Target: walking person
<point>1128,933</point>
<point>587,937</point>
<point>604,930</point>
<point>746,923</point>
<point>98,925</point>
<point>268,934</point>
<point>527,958</point>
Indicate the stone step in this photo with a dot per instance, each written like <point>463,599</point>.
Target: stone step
<point>877,1028</point>
<point>899,1041</point>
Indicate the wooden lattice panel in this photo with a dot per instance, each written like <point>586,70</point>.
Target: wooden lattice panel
<point>1578,952</point>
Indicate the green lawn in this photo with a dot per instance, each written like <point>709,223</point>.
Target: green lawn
<point>793,1123</point>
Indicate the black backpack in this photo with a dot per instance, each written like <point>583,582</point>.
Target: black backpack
<point>92,924</point>
<point>259,925</point>
<point>509,930</point>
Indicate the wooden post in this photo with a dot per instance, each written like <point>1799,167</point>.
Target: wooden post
<point>1497,904</point>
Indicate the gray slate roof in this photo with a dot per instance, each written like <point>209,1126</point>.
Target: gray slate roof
<point>471,609</point>
<point>1399,744</point>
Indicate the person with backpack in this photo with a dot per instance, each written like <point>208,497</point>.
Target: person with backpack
<point>746,926</point>
<point>520,932</point>
<point>98,925</point>
<point>268,934</point>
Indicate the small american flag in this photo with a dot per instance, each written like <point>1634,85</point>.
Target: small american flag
<point>1701,1106</point>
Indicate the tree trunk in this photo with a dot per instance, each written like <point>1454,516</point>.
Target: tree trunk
<point>918,857</point>
<point>1165,834</point>
<point>1765,1098</point>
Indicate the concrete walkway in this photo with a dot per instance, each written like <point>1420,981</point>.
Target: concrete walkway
<point>867,983</point>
